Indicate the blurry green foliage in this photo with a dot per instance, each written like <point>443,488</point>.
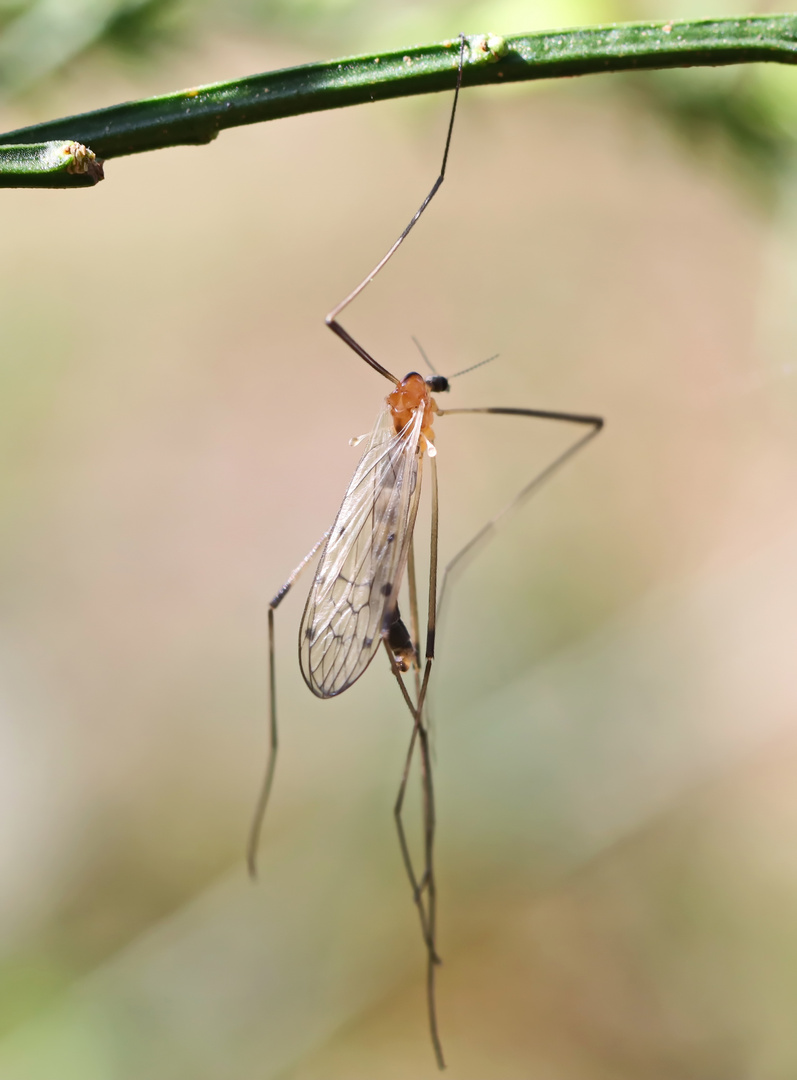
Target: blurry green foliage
<point>735,113</point>
<point>139,28</point>
<point>41,38</point>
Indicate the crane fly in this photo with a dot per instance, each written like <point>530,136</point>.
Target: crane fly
<point>353,605</point>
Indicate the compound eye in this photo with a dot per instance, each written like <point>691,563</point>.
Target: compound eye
<point>438,384</point>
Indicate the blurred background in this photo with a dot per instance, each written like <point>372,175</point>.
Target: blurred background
<point>615,703</point>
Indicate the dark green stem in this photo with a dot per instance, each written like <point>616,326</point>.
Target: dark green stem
<point>48,164</point>
<point>197,115</point>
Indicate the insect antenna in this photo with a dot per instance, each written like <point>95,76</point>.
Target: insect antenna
<point>426,359</point>
<point>439,383</point>
<point>473,367</point>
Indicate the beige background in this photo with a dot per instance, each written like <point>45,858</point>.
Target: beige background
<point>615,696</point>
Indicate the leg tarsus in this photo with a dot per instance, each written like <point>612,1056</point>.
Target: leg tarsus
<point>256,826</point>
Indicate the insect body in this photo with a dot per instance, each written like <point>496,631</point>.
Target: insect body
<point>353,602</point>
<point>353,606</point>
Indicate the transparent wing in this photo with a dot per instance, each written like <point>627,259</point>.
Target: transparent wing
<point>359,574</point>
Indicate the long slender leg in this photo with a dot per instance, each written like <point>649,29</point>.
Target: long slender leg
<point>432,958</point>
<point>271,761</point>
<point>431,626</point>
<point>468,550</point>
<point>426,776</point>
<point>427,883</point>
<point>417,886</point>
<point>414,620</point>
<point>420,732</point>
<point>332,317</point>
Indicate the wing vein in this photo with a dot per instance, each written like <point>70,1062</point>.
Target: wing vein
<point>359,573</point>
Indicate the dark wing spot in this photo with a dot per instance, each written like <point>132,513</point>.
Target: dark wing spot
<point>391,537</point>
<point>368,642</point>
<point>387,589</point>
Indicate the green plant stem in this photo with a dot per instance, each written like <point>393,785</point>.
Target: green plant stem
<point>48,164</point>
<point>197,115</point>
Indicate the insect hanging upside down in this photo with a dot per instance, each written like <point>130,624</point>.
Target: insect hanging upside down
<point>353,605</point>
